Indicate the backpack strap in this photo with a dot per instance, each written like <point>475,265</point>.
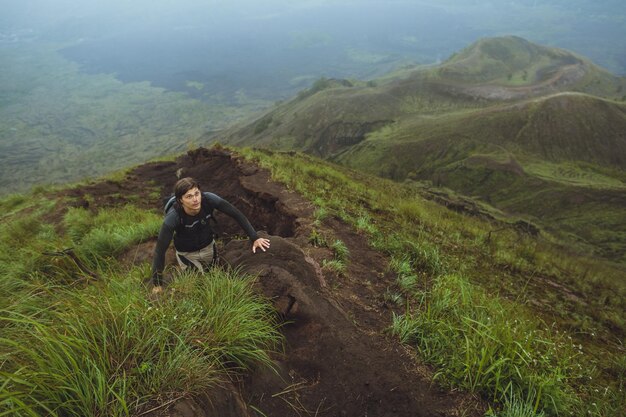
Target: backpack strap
<point>169,203</point>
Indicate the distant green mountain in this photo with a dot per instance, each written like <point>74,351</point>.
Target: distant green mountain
<point>532,130</point>
<point>513,68</point>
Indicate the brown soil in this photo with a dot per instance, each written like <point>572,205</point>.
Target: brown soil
<point>338,359</point>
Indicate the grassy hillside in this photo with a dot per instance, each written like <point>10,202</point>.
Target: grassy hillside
<point>426,91</point>
<point>475,289</point>
<point>81,335</point>
<point>497,312</point>
<point>557,159</point>
<point>548,145</point>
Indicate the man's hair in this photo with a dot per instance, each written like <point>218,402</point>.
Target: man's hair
<point>183,185</point>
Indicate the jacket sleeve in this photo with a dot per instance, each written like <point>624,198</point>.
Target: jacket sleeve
<point>165,237</point>
<point>225,207</point>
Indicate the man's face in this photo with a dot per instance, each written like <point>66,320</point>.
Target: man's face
<point>191,201</point>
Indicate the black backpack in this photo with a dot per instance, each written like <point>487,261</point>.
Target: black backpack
<point>168,203</point>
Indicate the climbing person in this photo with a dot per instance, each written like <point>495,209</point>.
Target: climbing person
<point>187,220</point>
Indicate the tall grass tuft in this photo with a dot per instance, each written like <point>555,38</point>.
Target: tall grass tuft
<point>107,350</point>
<point>339,263</point>
<point>516,407</point>
<point>23,244</point>
<point>110,231</point>
<point>229,320</point>
<point>340,250</point>
<point>406,277</point>
<point>487,347</point>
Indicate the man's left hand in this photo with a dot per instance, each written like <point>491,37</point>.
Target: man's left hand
<point>260,243</point>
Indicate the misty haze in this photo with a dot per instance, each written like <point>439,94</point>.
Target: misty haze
<point>189,68</point>
<point>443,183</point>
<point>270,50</point>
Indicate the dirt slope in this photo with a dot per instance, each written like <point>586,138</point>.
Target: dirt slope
<point>337,360</point>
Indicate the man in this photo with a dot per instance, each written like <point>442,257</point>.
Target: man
<point>188,222</point>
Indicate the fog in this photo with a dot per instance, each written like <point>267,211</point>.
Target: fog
<point>274,48</point>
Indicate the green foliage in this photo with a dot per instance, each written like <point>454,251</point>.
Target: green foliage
<point>406,277</point>
<point>78,222</point>
<point>317,239</point>
<point>79,339</point>
<point>320,214</point>
<point>425,256</point>
<point>12,203</point>
<point>340,250</point>
<point>109,350</point>
<point>365,223</point>
<point>516,407</point>
<point>334,265</point>
<point>340,259</point>
<point>475,341</point>
<point>24,242</point>
<point>488,347</point>
<point>110,231</point>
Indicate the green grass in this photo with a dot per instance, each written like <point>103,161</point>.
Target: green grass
<point>519,358</point>
<point>24,241</point>
<point>340,250</point>
<point>110,231</point>
<point>579,175</point>
<point>489,347</point>
<point>75,344</point>
<point>524,361</point>
<point>108,350</point>
<point>529,157</point>
<point>339,263</point>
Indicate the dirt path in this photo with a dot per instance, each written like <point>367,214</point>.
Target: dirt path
<point>338,360</point>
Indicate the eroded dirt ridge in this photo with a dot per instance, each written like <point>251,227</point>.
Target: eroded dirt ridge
<point>337,360</point>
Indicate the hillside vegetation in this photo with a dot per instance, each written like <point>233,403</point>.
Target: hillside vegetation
<point>534,131</point>
<point>80,334</point>
<point>495,211</point>
<point>496,311</point>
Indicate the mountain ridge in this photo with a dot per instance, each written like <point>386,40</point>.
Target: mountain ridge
<point>562,128</point>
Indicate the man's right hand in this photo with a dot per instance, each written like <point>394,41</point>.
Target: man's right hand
<point>157,289</point>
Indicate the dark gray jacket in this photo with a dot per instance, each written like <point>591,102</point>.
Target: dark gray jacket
<point>192,233</point>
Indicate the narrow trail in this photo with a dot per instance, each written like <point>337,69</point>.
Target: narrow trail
<point>338,359</point>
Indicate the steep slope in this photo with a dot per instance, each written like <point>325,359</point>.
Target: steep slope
<point>566,127</point>
<point>513,68</point>
<point>559,159</point>
<point>334,325</point>
<point>502,120</point>
<point>334,115</point>
<point>338,358</point>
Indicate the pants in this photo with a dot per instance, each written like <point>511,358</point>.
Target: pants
<point>201,259</point>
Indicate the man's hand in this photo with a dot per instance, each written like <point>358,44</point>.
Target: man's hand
<point>157,289</point>
<point>260,243</point>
